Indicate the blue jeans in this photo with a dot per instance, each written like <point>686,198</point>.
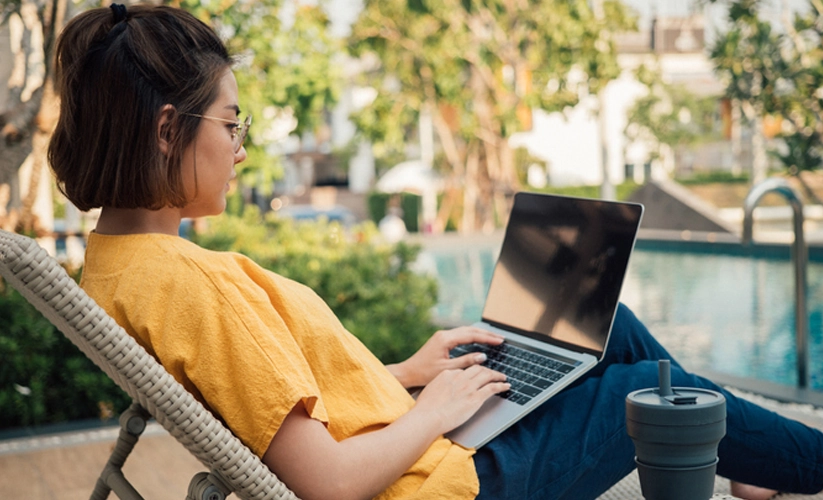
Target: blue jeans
<point>575,446</point>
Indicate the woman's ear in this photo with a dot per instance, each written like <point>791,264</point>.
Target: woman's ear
<point>164,127</point>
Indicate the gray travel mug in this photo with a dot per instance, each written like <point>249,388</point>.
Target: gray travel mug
<point>675,431</point>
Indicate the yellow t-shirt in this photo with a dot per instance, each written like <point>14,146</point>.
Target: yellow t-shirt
<point>250,344</point>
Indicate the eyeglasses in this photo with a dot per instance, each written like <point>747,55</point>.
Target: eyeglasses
<point>238,131</point>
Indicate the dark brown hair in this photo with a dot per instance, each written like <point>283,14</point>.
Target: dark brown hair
<point>114,74</point>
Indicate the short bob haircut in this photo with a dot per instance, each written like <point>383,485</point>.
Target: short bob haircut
<point>114,74</point>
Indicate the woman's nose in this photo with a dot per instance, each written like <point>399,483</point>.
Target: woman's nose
<point>240,155</point>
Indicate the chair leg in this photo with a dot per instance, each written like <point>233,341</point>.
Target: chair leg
<point>132,424</point>
<point>206,486</point>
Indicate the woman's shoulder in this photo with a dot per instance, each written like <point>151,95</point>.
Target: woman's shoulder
<point>158,255</point>
<point>172,261</point>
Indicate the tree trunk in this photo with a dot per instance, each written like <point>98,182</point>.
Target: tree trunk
<point>448,142</point>
<point>736,138</point>
<point>31,222</point>
<point>31,110</point>
<point>509,183</point>
<point>760,162</point>
<point>470,191</point>
<point>607,191</point>
<point>810,194</point>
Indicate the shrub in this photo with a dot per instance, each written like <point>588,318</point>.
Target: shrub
<point>623,191</point>
<point>715,176</point>
<point>410,204</point>
<point>44,378</point>
<point>367,283</point>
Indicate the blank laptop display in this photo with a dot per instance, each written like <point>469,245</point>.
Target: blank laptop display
<point>553,295</point>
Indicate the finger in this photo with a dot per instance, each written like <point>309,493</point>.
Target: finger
<point>490,338</point>
<point>468,334</point>
<point>495,388</point>
<point>483,375</point>
<point>467,360</point>
<point>487,391</point>
<point>474,370</point>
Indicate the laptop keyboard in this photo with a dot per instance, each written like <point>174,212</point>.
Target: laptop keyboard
<point>529,371</point>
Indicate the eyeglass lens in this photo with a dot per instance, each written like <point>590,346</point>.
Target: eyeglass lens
<point>241,134</point>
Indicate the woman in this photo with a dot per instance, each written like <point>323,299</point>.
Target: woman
<point>149,131</point>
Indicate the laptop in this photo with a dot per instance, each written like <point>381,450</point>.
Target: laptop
<point>553,295</point>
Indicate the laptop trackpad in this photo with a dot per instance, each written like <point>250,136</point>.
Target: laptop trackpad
<point>496,413</point>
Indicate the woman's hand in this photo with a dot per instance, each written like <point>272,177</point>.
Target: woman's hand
<point>315,465</point>
<point>455,395</point>
<point>433,358</point>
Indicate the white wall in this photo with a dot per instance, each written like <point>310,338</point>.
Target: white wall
<point>570,142</point>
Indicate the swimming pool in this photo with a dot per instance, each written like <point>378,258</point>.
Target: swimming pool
<point>721,311</point>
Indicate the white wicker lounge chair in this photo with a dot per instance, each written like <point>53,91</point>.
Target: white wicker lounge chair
<point>234,468</point>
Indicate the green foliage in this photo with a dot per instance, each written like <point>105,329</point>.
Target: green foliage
<point>713,177</point>
<point>431,52</point>
<point>747,56</point>
<point>368,284</point>
<point>622,190</point>
<point>670,115</point>
<point>523,159</point>
<point>344,154</point>
<point>284,73</point>
<point>478,68</point>
<point>378,204</point>
<point>44,378</point>
<point>803,152</point>
<point>777,72</point>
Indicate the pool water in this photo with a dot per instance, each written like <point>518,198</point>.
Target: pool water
<point>727,313</point>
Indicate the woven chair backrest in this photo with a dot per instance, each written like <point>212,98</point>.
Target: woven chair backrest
<point>47,286</point>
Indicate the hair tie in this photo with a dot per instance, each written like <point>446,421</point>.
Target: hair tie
<point>119,11</point>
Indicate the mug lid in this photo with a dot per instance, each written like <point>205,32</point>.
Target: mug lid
<point>685,406</point>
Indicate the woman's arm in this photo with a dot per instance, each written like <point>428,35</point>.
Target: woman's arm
<point>433,357</point>
<point>315,466</point>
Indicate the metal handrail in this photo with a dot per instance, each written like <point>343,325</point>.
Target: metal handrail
<point>799,257</point>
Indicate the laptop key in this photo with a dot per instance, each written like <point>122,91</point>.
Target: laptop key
<point>528,372</point>
<point>520,399</point>
<point>515,397</point>
<point>531,391</point>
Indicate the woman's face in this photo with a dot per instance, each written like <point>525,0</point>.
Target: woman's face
<point>208,162</point>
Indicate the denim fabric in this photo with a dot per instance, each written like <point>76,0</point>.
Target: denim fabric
<point>575,446</point>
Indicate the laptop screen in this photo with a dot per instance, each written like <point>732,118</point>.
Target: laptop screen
<point>561,267</point>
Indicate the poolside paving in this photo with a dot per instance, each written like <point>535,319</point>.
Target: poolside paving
<point>65,466</point>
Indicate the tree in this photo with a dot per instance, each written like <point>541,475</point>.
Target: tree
<point>287,74</point>
<point>32,108</point>
<point>284,75</point>
<point>779,73</point>
<point>669,116</point>
<point>799,92</point>
<point>478,68</point>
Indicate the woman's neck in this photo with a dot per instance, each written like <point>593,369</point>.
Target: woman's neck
<point>118,221</point>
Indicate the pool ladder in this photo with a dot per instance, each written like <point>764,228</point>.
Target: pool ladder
<point>799,258</point>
